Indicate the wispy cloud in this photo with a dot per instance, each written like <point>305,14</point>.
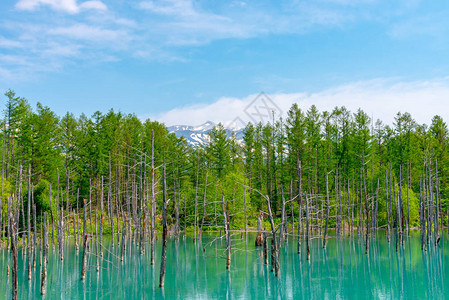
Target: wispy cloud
<point>163,29</point>
<point>381,99</point>
<point>90,33</point>
<point>68,6</point>
<point>51,45</point>
<point>8,44</point>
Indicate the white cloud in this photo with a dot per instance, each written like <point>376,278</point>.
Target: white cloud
<point>7,43</point>
<point>89,33</point>
<point>97,5</point>
<point>169,7</point>
<point>68,6</point>
<point>186,22</point>
<point>161,30</point>
<point>381,99</point>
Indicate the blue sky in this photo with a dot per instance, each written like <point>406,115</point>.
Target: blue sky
<point>190,61</point>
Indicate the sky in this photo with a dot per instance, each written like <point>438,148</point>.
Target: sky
<point>187,62</point>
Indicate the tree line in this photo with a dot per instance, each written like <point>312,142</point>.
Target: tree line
<point>337,169</point>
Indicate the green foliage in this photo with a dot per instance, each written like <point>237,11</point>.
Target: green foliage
<point>6,190</point>
<point>108,157</point>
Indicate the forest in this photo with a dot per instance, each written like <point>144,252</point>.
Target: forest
<point>109,157</point>
<point>114,174</point>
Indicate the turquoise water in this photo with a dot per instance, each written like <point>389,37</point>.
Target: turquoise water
<point>198,271</point>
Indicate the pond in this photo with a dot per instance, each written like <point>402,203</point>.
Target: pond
<point>198,271</point>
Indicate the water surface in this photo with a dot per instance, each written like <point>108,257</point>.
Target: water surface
<point>198,271</point>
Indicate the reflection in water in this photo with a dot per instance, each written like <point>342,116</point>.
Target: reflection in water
<point>198,271</point>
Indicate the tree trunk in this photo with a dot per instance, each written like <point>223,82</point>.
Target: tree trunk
<point>327,211</point>
<point>14,253</point>
<point>300,207</point>
<point>84,259</point>
<point>45,255</point>
<point>227,234</point>
<point>164,229</point>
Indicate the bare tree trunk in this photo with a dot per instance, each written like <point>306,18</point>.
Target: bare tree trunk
<point>377,205</point>
<point>274,260</point>
<point>45,255</point>
<point>437,206</point>
<point>176,204</point>
<point>153,202</point>
<point>388,207</point>
<point>84,259</point>
<point>164,229</point>
<point>60,221</point>
<point>204,205</point>
<point>97,244</point>
<point>101,219</point>
<point>291,206</point>
<point>14,252</point>
<point>421,214</point>
<point>338,195</point>
<point>327,211</point>
<point>52,221</point>
<point>429,202</point>
<point>265,247</point>
<point>185,215</point>
<point>401,208</point>
<point>227,234</point>
<point>35,234</point>
<point>2,234</point>
<point>29,223</point>
<point>367,211</point>
<point>123,248</point>
<point>244,208</point>
<point>300,207</point>
<point>283,218</point>
<point>408,198</point>
<point>195,222</point>
<point>307,227</point>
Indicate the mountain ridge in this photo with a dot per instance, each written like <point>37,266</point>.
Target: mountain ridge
<point>199,135</point>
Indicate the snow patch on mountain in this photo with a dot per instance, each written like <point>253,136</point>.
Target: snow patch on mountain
<point>199,135</point>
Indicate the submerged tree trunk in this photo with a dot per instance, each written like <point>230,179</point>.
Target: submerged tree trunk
<point>307,227</point>
<point>226,231</point>
<point>327,212</point>
<point>84,259</point>
<point>164,229</point>
<point>153,203</point>
<point>300,207</point>
<point>29,223</point>
<point>14,253</point>
<point>265,247</point>
<point>45,255</point>
<point>123,247</point>
<point>387,205</point>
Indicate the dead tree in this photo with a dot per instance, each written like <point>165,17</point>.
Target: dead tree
<point>101,219</point>
<point>153,202</point>
<point>123,247</point>
<point>227,233</point>
<point>29,223</point>
<point>204,205</point>
<point>327,212</point>
<point>164,229</point>
<point>307,227</point>
<point>52,221</point>
<point>45,255</point>
<point>265,247</point>
<point>14,253</point>
<point>387,205</point>
<point>84,259</point>
<point>300,207</point>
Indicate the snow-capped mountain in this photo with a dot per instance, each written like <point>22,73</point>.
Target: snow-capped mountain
<point>199,135</point>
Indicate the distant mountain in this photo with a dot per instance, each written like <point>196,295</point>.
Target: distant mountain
<point>199,135</point>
